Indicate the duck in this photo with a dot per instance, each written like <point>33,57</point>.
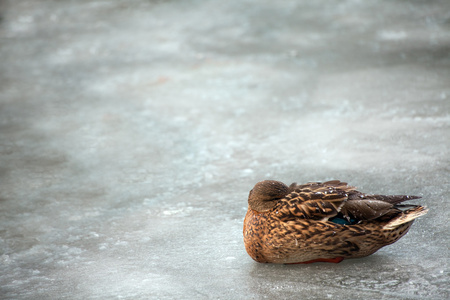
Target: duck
<point>322,222</point>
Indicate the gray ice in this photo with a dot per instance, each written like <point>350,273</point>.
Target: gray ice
<point>132,131</point>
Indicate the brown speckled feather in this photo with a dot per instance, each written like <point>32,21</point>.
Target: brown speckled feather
<point>314,201</point>
<point>293,225</point>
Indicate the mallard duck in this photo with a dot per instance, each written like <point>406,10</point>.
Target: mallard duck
<point>322,222</point>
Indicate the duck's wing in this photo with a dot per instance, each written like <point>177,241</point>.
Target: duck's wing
<point>325,200</point>
<point>315,200</point>
<point>361,206</point>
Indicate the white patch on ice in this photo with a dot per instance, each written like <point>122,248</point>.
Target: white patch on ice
<point>389,35</point>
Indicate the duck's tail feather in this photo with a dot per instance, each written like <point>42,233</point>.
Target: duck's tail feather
<point>392,199</point>
<point>406,216</point>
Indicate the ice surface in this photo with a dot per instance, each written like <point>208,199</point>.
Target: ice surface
<point>132,131</point>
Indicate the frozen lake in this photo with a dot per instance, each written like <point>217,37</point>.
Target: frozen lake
<point>132,131</point>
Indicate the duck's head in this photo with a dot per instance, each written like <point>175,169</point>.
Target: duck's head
<point>265,195</point>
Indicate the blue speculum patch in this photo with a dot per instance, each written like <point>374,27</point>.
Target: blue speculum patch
<point>342,221</point>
